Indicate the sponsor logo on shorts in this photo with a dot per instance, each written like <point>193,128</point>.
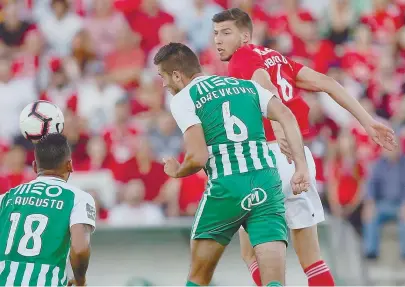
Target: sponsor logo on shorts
<point>256,197</point>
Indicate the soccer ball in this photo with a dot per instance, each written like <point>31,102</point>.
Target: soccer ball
<point>40,118</point>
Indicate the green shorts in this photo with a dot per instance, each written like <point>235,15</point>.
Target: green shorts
<point>253,200</point>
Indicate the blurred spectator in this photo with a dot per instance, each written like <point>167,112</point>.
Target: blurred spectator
<point>101,212</point>
<point>147,102</point>
<point>82,60</point>
<point>197,23</point>
<point>15,95</point>
<point>103,24</point>
<point>124,65</point>
<point>385,201</point>
<point>147,21</point>
<point>13,30</point>
<point>144,167</point>
<point>60,91</point>
<point>27,62</point>
<point>346,182</point>
<point>60,27</point>
<point>96,101</point>
<point>76,137</point>
<point>165,137</point>
<point>134,211</point>
<point>341,18</point>
<point>119,138</point>
<point>15,170</point>
<point>98,157</point>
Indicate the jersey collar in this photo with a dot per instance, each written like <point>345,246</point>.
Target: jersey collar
<point>45,177</point>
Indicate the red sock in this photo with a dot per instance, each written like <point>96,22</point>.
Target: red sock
<point>319,275</point>
<point>254,270</point>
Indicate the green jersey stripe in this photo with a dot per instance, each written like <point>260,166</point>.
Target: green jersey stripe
<point>223,149</point>
<point>4,273</point>
<point>12,274</point>
<point>267,156</point>
<point>254,155</point>
<point>212,167</point>
<point>29,268</point>
<point>55,277</point>
<point>42,274</point>
<point>240,158</point>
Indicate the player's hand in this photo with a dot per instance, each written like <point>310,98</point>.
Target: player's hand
<point>73,282</point>
<point>381,135</point>
<point>171,166</point>
<point>300,181</point>
<point>285,149</point>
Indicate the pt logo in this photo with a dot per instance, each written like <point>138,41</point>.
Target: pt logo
<point>256,197</point>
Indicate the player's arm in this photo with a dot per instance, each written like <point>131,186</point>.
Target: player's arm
<point>275,110</point>
<point>82,224</point>
<point>80,252</point>
<point>183,111</point>
<point>311,80</point>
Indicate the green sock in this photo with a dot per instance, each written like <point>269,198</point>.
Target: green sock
<point>189,283</point>
<point>274,283</point>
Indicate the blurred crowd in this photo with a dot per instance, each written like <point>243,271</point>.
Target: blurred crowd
<point>94,59</point>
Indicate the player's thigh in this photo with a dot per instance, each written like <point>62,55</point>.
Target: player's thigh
<point>305,209</point>
<point>205,255</point>
<point>220,215</point>
<point>266,221</point>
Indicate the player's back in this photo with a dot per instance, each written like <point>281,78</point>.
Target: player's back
<point>35,221</point>
<point>230,113</point>
<point>283,72</point>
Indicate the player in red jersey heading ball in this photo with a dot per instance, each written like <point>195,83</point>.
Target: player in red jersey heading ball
<point>233,33</point>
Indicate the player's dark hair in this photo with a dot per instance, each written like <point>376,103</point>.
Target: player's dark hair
<point>240,17</point>
<point>51,151</point>
<point>177,57</point>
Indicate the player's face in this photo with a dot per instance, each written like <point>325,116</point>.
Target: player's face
<point>228,38</point>
<point>171,82</point>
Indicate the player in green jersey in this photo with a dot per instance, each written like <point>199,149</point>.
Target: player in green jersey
<point>40,221</point>
<point>221,119</point>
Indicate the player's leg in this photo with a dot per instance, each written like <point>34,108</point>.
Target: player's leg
<point>218,218</point>
<point>205,254</point>
<point>303,213</point>
<point>249,256</point>
<point>267,227</point>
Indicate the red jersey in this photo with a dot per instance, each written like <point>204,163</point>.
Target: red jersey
<point>283,72</point>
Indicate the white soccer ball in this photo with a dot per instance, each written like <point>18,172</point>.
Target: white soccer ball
<point>40,118</point>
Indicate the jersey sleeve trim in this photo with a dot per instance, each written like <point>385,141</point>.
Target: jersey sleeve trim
<point>264,98</point>
<point>183,110</point>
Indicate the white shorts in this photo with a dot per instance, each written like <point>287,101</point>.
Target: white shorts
<point>305,209</point>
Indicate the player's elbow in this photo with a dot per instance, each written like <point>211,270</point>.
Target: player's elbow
<point>199,159</point>
<point>325,83</point>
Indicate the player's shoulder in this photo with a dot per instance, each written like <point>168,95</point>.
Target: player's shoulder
<point>76,192</point>
<point>186,94</point>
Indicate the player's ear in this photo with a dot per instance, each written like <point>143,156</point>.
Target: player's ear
<point>69,166</point>
<point>35,167</point>
<point>176,76</point>
<point>246,37</point>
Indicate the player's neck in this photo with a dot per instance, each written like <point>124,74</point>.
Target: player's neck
<point>50,174</point>
<point>196,76</point>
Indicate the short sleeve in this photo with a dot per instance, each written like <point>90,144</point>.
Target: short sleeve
<point>84,210</point>
<point>264,98</point>
<point>295,66</point>
<point>244,63</point>
<point>183,111</point>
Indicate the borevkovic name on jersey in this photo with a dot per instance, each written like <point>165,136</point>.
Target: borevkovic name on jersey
<point>222,93</point>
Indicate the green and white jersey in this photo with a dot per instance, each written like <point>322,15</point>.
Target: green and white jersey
<point>230,111</point>
<point>35,221</point>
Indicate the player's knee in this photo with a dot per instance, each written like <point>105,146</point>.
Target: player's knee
<point>306,245</point>
<point>201,273</point>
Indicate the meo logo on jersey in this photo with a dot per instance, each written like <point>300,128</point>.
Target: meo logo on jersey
<point>257,197</point>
